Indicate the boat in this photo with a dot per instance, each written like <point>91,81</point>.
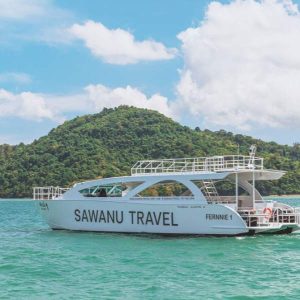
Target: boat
<point>125,205</point>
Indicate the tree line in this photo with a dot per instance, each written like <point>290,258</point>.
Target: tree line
<point>108,143</point>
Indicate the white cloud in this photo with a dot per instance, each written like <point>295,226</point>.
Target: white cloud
<point>101,96</point>
<point>22,78</point>
<point>22,9</point>
<point>117,46</point>
<point>25,105</point>
<point>92,99</point>
<point>44,22</point>
<point>33,20</point>
<point>242,65</point>
<point>31,11</point>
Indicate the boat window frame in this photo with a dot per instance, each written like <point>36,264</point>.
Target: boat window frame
<point>100,190</point>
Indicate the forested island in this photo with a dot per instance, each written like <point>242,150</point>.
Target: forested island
<point>108,143</point>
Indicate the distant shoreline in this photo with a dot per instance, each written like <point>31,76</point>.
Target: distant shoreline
<point>283,196</point>
<point>16,199</point>
<point>266,197</point>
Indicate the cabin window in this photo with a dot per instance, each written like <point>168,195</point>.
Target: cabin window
<point>115,190</point>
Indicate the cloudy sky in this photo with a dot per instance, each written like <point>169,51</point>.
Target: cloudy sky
<point>231,65</point>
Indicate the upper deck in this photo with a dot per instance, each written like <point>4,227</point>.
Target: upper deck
<point>228,163</point>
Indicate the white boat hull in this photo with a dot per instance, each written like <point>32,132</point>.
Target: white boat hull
<point>134,217</point>
<point>120,204</point>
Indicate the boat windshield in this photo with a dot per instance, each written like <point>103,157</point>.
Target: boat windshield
<point>103,191</point>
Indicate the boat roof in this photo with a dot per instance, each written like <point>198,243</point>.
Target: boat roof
<point>198,168</point>
<point>247,175</point>
<point>228,163</point>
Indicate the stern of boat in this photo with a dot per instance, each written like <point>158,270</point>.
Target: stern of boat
<point>277,220</point>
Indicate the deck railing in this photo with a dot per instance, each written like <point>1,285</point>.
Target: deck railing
<point>260,219</point>
<point>48,192</point>
<point>198,164</point>
<point>164,198</point>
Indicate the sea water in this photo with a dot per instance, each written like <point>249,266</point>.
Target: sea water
<point>38,263</point>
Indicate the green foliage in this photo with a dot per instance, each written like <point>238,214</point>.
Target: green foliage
<point>109,143</point>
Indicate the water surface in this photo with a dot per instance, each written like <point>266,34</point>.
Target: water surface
<point>38,263</point>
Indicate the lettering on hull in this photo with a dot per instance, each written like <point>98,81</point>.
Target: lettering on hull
<point>218,217</point>
<point>118,217</point>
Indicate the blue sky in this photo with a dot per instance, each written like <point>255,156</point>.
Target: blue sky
<point>230,65</point>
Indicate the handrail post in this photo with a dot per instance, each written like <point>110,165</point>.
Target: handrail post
<point>253,187</point>
<point>236,190</point>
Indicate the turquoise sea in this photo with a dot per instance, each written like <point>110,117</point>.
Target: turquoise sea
<point>38,263</point>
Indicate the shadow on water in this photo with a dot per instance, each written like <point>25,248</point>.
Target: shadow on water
<point>158,237</point>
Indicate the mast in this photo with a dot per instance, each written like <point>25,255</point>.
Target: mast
<point>236,189</point>
<point>252,165</point>
<point>237,179</point>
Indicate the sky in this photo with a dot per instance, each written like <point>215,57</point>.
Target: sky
<point>232,65</point>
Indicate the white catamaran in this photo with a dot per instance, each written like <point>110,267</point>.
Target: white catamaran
<point>121,204</point>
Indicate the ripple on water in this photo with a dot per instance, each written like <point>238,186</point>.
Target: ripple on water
<point>38,263</point>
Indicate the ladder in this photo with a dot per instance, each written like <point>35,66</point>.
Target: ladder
<point>210,192</point>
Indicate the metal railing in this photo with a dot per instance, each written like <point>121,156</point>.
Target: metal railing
<point>160,198</point>
<point>48,192</point>
<point>260,219</point>
<point>198,164</point>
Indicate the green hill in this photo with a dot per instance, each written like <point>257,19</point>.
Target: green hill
<point>108,143</point>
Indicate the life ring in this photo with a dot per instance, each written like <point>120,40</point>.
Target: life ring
<point>267,212</point>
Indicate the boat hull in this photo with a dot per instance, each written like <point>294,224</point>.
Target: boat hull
<point>128,217</point>
<point>158,218</point>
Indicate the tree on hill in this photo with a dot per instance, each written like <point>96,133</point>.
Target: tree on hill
<point>110,142</point>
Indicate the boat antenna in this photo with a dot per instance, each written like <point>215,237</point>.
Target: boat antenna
<point>252,152</point>
<point>252,149</point>
<point>252,165</point>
